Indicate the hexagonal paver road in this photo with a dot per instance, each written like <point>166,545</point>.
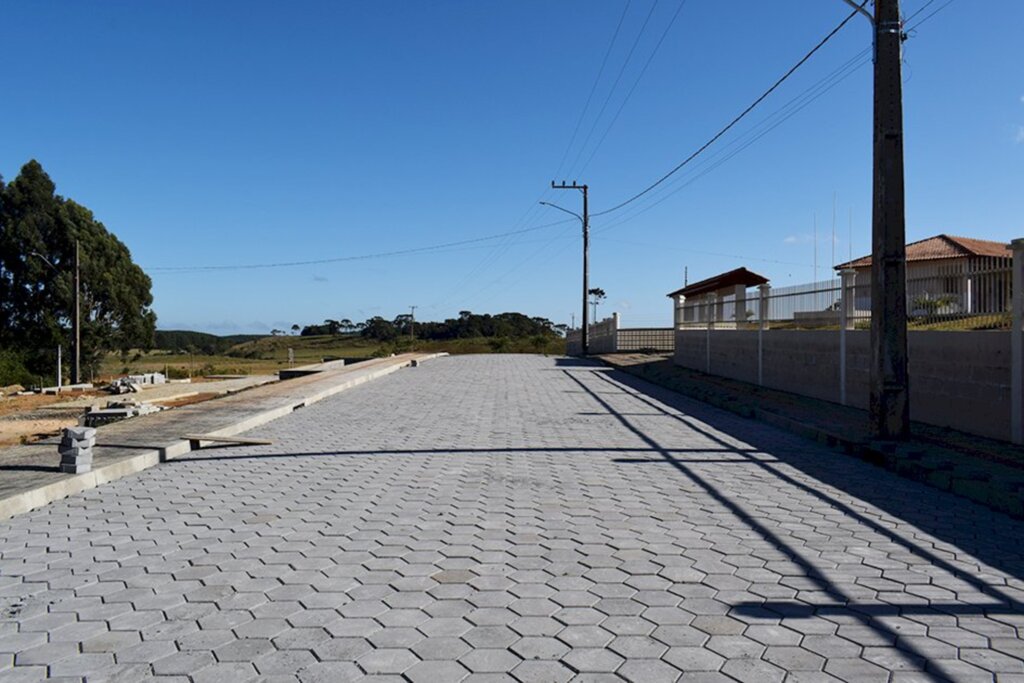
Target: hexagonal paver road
<point>513,518</point>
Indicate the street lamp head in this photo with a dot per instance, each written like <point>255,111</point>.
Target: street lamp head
<point>44,260</point>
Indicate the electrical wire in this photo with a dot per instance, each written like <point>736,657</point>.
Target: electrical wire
<point>593,89</point>
<point>765,126</point>
<point>936,11</point>
<point>505,236</point>
<point>740,117</point>
<point>502,248</point>
<point>629,94</point>
<point>688,250</point>
<point>801,101</point>
<point>615,84</point>
<point>919,10</point>
<point>361,257</point>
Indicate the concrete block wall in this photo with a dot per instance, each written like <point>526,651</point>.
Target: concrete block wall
<point>801,361</point>
<point>732,354</point>
<point>957,379</point>
<point>690,349</point>
<point>961,380</point>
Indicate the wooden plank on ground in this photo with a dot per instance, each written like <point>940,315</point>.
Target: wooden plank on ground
<point>195,439</point>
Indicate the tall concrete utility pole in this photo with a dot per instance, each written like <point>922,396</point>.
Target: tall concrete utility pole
<point>76,368</point>
<point>889,402</point>
<point>412,323</point>
<point>586,253</point>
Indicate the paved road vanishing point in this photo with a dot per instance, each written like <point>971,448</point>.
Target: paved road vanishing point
<point>500,518</point>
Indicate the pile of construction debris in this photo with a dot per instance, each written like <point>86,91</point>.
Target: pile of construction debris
<point>135,383</point>
<point>13,390</point>
<point>115,411</point>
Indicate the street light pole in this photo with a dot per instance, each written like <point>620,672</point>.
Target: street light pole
<point>76,367</point>
<point>585,219</point>
<point>76,314</point>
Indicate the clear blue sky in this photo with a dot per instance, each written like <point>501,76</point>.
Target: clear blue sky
<point>219,133</point>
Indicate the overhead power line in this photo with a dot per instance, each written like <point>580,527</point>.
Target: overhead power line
<point>625,101</point>
<point>769,124</point>
<point>725,153</point>
<point>776,119</point>
<point>615,84</point>
<point>929,16</point>
<point>593,89</point>
<point>360,257</point>
<point>740,117</point>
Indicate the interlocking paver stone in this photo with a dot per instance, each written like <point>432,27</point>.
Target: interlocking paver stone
<point>513,518</point>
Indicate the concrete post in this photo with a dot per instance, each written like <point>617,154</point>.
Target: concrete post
<point>712,302</point>
<point>615,332</point>
<point>970,295</point>
<point>1017,345</point>
<point>762,323</point>
<point>679,313</point>
<point>740,303</point>
<point>846,297</point>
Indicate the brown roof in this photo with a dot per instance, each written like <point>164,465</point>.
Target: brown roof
<point>740,276</point>
<point>942,247</point>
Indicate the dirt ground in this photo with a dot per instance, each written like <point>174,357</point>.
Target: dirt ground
<point>30,417</point>
<point>27,418</point>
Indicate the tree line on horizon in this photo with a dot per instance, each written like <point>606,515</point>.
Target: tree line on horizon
<point>467,325</point>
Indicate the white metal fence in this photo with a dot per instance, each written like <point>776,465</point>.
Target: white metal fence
<point>956,294</point>
<point>607,337</point>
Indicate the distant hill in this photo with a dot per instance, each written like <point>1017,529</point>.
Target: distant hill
<point>200,342</point>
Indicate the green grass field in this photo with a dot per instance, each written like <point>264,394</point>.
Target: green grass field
<point>269,354</point>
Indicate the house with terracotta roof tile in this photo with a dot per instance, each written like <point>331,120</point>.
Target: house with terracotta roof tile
<point>946,274</point>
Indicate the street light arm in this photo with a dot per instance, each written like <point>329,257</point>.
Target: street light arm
<point>860,8</point>
<point>44,260</point>
<point>556,206</point>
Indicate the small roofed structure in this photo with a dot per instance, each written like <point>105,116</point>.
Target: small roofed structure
<point>715,299</point>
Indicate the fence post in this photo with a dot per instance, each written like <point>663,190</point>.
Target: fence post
<point>762,322</point>
<point>615,332</point>
<point>847,279</point>
<point>712,302</point>
<point>1017,345</point>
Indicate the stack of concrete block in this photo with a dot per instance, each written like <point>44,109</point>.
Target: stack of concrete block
<point>76,449</point>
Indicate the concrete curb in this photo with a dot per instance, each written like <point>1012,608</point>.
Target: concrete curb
<point>48,493</point>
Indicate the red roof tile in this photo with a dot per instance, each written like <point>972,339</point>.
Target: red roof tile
<point>942,247</point>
